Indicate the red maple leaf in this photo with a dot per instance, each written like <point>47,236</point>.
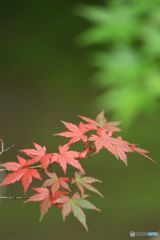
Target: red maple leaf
<point>46,198</point>
<point>20,171</point>
<point>65,157</point>
<point>55,190</point>
<point>38,154</point>
<point>76,133</point>
<point>102,140</point>
<point>120,148</point>
<point>116,146</point>
<point>43,196</point>
<point>55,183</point>
<point>141,151</point>
<point>101,122</point>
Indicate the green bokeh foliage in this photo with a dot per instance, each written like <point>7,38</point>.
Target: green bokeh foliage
<point>128,63</point>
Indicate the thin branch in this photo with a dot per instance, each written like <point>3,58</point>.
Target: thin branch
<point>3,150</point>
<point>3,170</point>
<point>2,146</point>
<point>12,198</point>
<point>7,149</point>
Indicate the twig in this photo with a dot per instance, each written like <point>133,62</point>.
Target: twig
<point>7,149</point>
<point>2,146</point>
<point>3,150</point>
<point>12,198</point>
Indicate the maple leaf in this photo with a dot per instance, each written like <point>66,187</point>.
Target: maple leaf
<point>46,198</point>
<point>43,196</point>
<point>38,154</point>
<point>76,133</point>
<point>75,204</point>
<point>120,148</point>
<point>55,183</point>
<point>101,122</point>
<point>141,151</point>
<point>116,146</point>
<point>84,182</point>
<point>21,171</point>
<point>65,157</point>
<point>102,140</point>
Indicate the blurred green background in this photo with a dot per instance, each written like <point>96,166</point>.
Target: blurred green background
<point>127,61</point>
<point>46,76</point>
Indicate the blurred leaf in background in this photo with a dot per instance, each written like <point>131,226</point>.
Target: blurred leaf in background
<point>128,61</point>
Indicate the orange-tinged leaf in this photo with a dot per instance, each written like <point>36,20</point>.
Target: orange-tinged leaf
<point>101,122</point>
<point>44,206</point>
<point>55,183</point>
<point>67,209</point>
<point>43,196</point>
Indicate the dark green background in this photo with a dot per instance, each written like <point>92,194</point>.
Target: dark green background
<point>45,77</point>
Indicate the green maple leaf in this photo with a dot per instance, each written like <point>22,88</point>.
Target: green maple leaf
<point>76,204</point>
<point>84,182</point>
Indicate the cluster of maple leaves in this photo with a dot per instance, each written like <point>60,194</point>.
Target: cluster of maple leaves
<point>57,191</point>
